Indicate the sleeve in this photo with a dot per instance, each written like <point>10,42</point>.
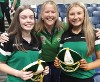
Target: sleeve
<point>5,50</point>
<point>97,44</point>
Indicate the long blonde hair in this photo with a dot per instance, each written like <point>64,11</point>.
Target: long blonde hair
<point>40,22</point>
<point>87,27</point>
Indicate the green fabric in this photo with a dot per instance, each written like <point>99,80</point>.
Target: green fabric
<point>97,47</point>
<point>17,4</point>
<point>78,43</point>
<point>1,15</point>
<point>19,60</point>
<point>50,45</point>
<point>72,62</point>
<point>74,55</point>
<point>3,0</point>
<point>80,73</point>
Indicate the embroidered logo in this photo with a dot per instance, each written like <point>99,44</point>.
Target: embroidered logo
<point>35,48</point>
<point>58,38</point>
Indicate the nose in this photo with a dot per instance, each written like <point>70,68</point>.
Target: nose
<point>28,19</point>
<point>50,14</point>
<point>75,16</point>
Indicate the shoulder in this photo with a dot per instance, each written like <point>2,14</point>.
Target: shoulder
<point>8,46</point>
<point>97,44</point>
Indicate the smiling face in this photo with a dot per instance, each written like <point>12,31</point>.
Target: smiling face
<point>49,15</point>
<point>76,16</point>
<point>27,21</point>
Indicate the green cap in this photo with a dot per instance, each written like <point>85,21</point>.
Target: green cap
<point>69,59</point>
<point>37,67</point>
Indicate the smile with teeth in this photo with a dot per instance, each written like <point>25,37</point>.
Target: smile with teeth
<point>75,21</point>
<point>28,24</point>
<point>50,19</point>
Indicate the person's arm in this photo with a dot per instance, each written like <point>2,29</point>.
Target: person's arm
<point>88,66</point>
<point>98,33</point>
<point>6,50</point>
<point>7,69</point>
<point>14,5</point>
<point>95,63</point>
<point>4,36</point>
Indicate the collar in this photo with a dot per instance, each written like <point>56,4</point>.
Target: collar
<point>33,39</point>
<point>81,32</point>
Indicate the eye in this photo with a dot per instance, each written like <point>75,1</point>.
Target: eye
<point>71,14</point>
<point>53,11</point>
<point>79,13</point>
<point>23,17</point>
<point>46,11</point>
<point>31,17</point>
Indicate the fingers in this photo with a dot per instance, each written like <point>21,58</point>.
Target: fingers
<point>4,38</point>
<point>83,61</point>
<point>25,75</point>
<point>97,32</point>
<point>46,71</point>
<point>83,64</point>
<point>28,75</point>
<point>12,8</point>
<point>56,62</point>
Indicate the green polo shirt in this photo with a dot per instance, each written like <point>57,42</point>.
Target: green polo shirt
<point>50,43</point>
<point>77,43</point>
<point>18,59</point>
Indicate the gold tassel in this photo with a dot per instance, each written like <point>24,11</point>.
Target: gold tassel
<point>41,77</point>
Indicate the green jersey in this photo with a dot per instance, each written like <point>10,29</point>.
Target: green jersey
<point>78,43</point>
<point>18,59</point>
<point>50,43</point>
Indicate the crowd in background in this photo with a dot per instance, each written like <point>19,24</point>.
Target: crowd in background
<point>5,12</point>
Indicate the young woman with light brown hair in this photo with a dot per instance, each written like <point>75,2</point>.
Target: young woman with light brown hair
<point>80,37</point>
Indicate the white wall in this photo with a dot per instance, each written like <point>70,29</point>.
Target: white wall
<point>58,1</point>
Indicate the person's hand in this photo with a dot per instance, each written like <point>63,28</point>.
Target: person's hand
<point>46,70</point>
<point>56,63</point>
<point>12,8</point>
<point>84,64</point>
<point>98,32</point>
<point>4,38</point>
<point>25,75</point>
